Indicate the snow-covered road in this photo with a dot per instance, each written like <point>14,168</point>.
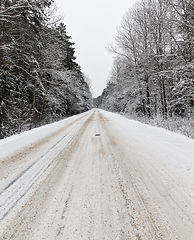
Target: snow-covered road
<point>97,176</point>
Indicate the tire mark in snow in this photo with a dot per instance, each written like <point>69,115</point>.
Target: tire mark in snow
<point>62,228</point>
<point>33,206</point>
<point>97,190</point>
<point>9,164</point>
<point>117,152</point>
<point>77,186</point>
<point>20,186</point>
<point>21,174</point>
<point>157,223</point>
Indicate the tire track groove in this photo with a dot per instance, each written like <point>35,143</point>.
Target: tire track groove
<point>20,186</point>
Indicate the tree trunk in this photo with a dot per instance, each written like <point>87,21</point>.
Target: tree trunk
<point>2,44</point>
<point>163,97</point>
<point>148,107</point>
<point>33,103</point>
<point>2,39</point>
<point>142,101</point>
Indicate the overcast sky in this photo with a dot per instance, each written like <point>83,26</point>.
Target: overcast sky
<point>92,24</point>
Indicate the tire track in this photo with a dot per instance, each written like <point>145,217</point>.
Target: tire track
<point>130,175</point>
<point>19,187</point>
<point>33,207</point>
<point>9,163</point>
<point>99,185</point>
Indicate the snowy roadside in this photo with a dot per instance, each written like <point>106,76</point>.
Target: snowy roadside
<point>177,148</point>
<point>178,125</point>
<point>16,142</point>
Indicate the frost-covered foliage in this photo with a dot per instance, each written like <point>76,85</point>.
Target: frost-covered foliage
<point>39,79</point>
<point>183,87</point>
<point>153,70</point>
<point>176,124</point>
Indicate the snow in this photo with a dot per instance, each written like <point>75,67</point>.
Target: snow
<point>16,142</point>
<point>155,135</point>
<point>99,175</point>
<point>173,149</point>
<point>177,148</point>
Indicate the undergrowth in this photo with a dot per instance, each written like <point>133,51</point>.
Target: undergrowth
<point>178,125</point>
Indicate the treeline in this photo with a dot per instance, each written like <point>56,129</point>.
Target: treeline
<point>153,70</point>
<point>40,81</point>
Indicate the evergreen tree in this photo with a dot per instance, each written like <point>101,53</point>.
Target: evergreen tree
<point>39,78</point>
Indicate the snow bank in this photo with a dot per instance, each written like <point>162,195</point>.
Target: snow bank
<point>9,145</point>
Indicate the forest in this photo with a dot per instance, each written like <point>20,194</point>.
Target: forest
<point>153,69</point>
<point>40,81</point>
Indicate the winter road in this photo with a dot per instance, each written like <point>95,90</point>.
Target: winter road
<point>96,178</point>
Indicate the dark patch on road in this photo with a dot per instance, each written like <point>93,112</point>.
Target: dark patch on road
<point>97,135</point>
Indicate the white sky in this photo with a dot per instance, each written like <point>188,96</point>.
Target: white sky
<point>92,24</point>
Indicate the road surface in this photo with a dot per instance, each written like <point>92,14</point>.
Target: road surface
<point>94,179</point>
